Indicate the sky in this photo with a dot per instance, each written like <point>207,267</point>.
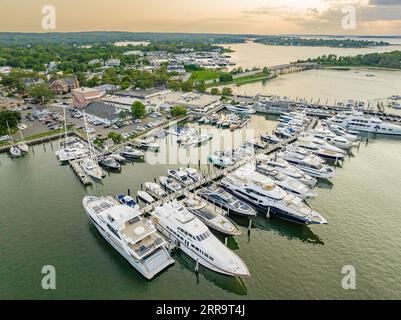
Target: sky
<point>363,17</point>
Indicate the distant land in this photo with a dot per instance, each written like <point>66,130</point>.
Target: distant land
<point>91,37</point>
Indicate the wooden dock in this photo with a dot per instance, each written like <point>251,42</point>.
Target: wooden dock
<point>82,176</point>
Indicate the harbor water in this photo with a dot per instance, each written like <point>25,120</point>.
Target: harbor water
<point>42,222</point>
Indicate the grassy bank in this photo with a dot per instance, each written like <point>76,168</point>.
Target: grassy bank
<point>244,80</point>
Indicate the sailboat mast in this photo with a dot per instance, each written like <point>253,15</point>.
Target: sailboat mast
<point>88,137</point>
<point>9,133</point>
<point>65,125</point>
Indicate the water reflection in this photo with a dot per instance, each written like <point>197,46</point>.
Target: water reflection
<point>283,228</point>
<point>234,285</point>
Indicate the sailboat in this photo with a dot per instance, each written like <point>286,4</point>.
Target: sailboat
<point>72,148</point>
<point>90,164</point>
<point>14,150</point>
<point>22,145</point>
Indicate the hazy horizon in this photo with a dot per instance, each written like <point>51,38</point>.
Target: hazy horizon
<point>259,17</point>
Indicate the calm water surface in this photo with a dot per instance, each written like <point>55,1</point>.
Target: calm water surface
<point>43,222</point>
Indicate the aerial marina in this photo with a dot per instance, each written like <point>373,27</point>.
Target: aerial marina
<point>199,166</point>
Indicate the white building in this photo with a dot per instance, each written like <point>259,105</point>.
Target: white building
<point>112,63</point>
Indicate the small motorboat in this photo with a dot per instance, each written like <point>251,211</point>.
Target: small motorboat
<point>155,190</point>
<point>145,197</point>
<point>269,138</point>
<point>127,200</point>
<point>221,198</point>
<point>110,163</point>
<point>131,153</point>
<point>211,217</point>
<point>170,184</point>
<point>118,157</point>
<point>193,174</point>
<point>23,147</point>
<point>181,176</point>
<point>220,161</point>
<point>92,169</point>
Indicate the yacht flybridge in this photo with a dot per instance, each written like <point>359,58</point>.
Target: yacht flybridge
<point>195,239</point>
<point>358,121</point>
<point>134,237</point>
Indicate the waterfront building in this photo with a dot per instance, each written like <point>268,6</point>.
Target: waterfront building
<point>83,96</point>
<point>112,63</point>
<point>102,112</point>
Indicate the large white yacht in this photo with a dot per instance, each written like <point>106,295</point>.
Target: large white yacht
<point>285,182</point>
<point>320,147</point>
<point>269,199</point>
<point>134,237</point>
<point>332,138</point>
<point>288,169</point>
<point>240,108</point>
<point>311,164</point>
<point>361,122</point>
<point>195,239</point>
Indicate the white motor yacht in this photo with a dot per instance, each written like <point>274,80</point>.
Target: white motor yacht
<point>193,174</point>
<point>91,168</point>
<point>145,197</point>
<point>211,217</point>
<point>134,237</point>
<point>240,108</point>
<point>195,239</point>
<point>170,184</point>
<point>310,164</point>
<point>320,147</point>
<point>358,121</point>
<point>291,185</point>
<point>155,190</point>
<point>331,138</point>
<point>288,169</point>
<point>181,176</point>
<point>270,199</point>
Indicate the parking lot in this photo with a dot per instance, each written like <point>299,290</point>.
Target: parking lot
<point>54,121</point>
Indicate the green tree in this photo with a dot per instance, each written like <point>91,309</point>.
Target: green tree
<point>187,86</point>
<point>179,111</point>
<point>138,109</point>
<point>10,117</point>
<point>116,137</point>
<point>226,92</point>
<point>215,91</point>
<point>40,92</point>
<point>201,87</point>
<point>225,77</point>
